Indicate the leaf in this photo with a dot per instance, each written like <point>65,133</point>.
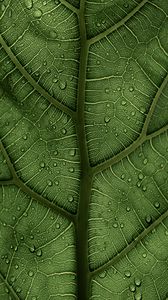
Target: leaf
<point>84,150</point>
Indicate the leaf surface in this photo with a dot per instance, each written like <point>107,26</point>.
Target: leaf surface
<point>84,149</point>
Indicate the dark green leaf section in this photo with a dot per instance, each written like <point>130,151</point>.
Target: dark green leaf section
<point>41,142</point>
<point>4,170</point>
<point>141,274</point>
<point>125,71</point>
<point>36,249</point>
<point>53,29</point>
<point>84,150</point>
<point>159,117</point>
<point>101,14</point>
<point>127,198</point>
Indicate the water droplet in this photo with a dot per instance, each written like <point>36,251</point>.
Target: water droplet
<point>30,273</point>
<point>145,161</point>
<point>144,255</point>
<point>140,176</point>
<point>49,183</point>
<point>55,152</point>
<point>13,279</point>
<point>103,274</point>
<point>57,182</point>
<point>157,204</point>
<point>98,62</point>
<point>64,131</point>
<point>107,91</point>
<point>138,184</point>
<point>132,287</point>
<point>16,267</point>
<point>144,188</point>
<point>53,34</point>
<point>123,102</point>
<point>39,252</point>
<point>29,4</point>
<point>57,225</point>
<point>62,85</point>
<point>37,13</point>
<point>71,169</point>
<point>42,164</point>
<point>70,198</point>
<point>115,225</point>
<point>166,232</point>
<point>128,274</point>
<point>138,295</point>
<point>148,219</point>
<point>122,176</point>
<point>137,281</point>
<point>32,249</point>
<point>72,152</point>
<point>55,80</point>
<point>128,208</point>
<point>107,119</point>
<point>44,2</point>
<point>34,298</point>
<point>131,89</point>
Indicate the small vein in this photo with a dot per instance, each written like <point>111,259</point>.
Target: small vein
<point>117,25</point>
<point>33,83</point>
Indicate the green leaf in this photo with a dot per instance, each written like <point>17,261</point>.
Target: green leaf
<point>84,150</point>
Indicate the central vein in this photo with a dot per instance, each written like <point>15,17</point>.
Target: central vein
<point>86,177</point>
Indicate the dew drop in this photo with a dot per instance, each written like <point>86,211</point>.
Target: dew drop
<point>144,255</point>
<point>137,281</point>
<point>71,170</point>
<point>18,290</point>
<point>39,252</point>
<point>115,225</point>
<point>132,287</point>
<point>31,273</point>
<point>12,279</point>
<point>64,131</point>
<point>138,295</point>
<point>144,188</point>
<point>103,274</point>
<point>49,183</point>
<point>62,85</point>
<point>122,176</point>
<point>128,208</point>
<point>42,164</point>
<point>107,91</point>
<point>107,119</point>
<point>57,225</point>
<point>55,80</point>
<point>123,102</point>
<point>32,249</point>
<point>72,152</point>
<point>57,182</point>
<point>37,13</point>
<point>145,161</point>
<point>16,267</point>
<point>128,274</point>
<point>148,219</point>
<point>140,176</point>
<point>29,4</point>
<point>157,204</point>
<point>131,89</point>
<point>55,152</point>
<point>70,198</point>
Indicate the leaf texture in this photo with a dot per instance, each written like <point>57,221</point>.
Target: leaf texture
<point>83,150</point>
